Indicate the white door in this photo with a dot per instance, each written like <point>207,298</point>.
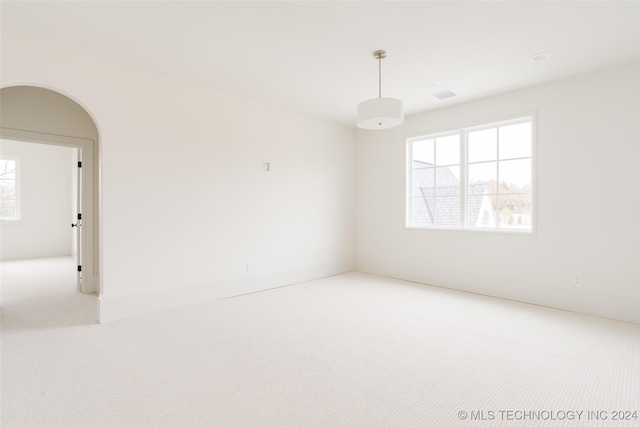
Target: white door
<point>78,219</point>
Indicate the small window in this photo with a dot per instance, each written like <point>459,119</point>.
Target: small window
<point>9,194</point>
<point>473,178</point>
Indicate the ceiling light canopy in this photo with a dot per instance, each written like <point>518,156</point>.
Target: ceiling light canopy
<point>380,113</point>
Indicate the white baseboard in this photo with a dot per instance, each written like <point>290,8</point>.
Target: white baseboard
<point>563,298</point>
<point>116,308</point>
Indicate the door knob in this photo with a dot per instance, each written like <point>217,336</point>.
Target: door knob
<point>74,225</point>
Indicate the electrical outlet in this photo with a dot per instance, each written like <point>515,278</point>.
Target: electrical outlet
<point>577,280</point>
<point>250,268</point>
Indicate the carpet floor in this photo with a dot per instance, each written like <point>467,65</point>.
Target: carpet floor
<point>347,350</point>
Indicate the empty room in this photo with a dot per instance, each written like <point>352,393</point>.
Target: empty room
<point>319,213</point>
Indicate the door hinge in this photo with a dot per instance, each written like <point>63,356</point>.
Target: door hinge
<point>79,216</point>
<point>79,164</point>
<point>79,268</point>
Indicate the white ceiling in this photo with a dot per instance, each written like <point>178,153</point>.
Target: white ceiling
<point>316,57</point>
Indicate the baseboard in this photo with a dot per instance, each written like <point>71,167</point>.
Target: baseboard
<point>116,308</point>
<point>583,301</point>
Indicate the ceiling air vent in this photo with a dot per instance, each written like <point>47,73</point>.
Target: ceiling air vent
<point>444,95</point>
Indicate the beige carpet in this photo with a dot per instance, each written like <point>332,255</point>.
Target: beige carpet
<point>346,350</point>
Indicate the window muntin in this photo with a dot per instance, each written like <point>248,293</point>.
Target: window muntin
<point>9,194</point>
<point>473,178</point>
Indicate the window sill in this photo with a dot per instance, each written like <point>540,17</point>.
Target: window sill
<point>10,222</point>
<point>474,230</point>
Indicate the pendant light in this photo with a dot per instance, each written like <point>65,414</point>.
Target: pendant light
<point>380,113</point>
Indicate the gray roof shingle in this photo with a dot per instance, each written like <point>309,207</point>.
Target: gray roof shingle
<point>436,196</point>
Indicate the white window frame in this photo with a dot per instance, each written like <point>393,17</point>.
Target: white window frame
<point>17,189</point>
<point>464,170</point>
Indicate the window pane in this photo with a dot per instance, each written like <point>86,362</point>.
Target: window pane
<point>515,141</point>
<point>515,176</point>
<point>7,208</point>
<point>448,181</point>
<point>7,189</point>
<point>515,211</point>
<point>448,211</point>
<point>423,182</point>
<point>423,153</point>
<point>448,150</point>
<point>482,211</point>
<point>482,178</point>
<point>483,145</point>
<point>7,169</point>
<point>422,211</point>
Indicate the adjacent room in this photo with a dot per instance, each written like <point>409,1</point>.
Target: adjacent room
<point>291,213</point>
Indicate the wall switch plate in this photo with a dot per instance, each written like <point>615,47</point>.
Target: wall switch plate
<point>265,167</point>
<point>250,268</point>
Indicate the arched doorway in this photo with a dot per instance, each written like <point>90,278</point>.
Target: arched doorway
<point>39,115</point>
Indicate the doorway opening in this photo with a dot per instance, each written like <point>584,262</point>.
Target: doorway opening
<point>42,116</point>
<point>41,193</point>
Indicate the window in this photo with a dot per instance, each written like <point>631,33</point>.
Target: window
<point>9,201</point>
<point>473,178</point>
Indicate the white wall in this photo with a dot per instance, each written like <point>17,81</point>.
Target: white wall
<point>45,203</point>
<point>184,205</point>
<point>588,200</point>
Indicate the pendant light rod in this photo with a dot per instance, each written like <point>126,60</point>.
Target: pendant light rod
<point>379,78</point>
<point>379,55</point>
